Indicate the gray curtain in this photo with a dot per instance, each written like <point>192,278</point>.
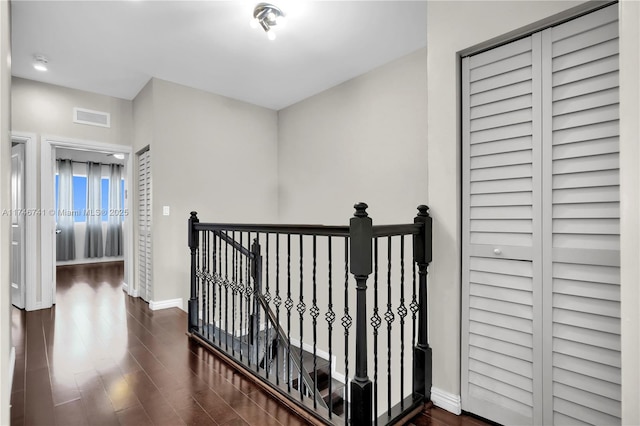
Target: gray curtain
<point>114,224</point>
<point>93,246</point>
<point>66,238</point>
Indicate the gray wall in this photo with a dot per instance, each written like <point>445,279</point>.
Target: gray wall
<point>210,154</point>
<point>364,140</point>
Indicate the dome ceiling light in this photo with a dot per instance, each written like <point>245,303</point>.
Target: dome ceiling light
<point>267,16</point>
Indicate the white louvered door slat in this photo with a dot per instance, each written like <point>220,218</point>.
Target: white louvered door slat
<point>144,225</point>
<point>541,243</point>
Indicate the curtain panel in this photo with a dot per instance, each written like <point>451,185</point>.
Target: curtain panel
<point>65,238</point>
<point>93,245</point>
<point>114,225</point>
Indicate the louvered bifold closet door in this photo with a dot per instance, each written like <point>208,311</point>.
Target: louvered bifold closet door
<point>501,254</point>
<point>581,221</point>
<point>144,225</point>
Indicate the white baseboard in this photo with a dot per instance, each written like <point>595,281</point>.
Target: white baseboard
<point>132,293</point>
<point>165,304</point>
<point>12,367</point>
<point>446,401</point>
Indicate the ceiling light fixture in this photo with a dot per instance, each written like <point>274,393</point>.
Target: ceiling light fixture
<point>40,63</point>
<point>267,16</point>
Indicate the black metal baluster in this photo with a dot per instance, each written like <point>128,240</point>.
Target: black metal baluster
<point>330,317</point>
<point>226,295</point>
<point>205,284</point>
<point>247,301</point>
<point>389,317</point>
<point>234,289</point>
<point>267,298</point>
<point>257,273</point>
<point>414,305</point>
<point>375,323</point>
<point>346,321</point>
<point>240,293</point>
<point>315,311</point>
<point>288,304</point>
<point>219,282</point>
<point>301,307</point>
<point>213,282</point>
<point>277,301</point>
<point>402,313</point>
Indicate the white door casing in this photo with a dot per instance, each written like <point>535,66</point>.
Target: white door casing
<point>47,205</point>
<point>18,234</point>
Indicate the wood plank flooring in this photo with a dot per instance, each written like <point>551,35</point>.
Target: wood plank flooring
<point>100,357</point>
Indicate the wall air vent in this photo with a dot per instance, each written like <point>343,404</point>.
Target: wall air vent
<point>92,118</point>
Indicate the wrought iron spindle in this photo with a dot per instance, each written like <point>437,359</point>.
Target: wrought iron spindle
<point>277,301</point>
<point>234,290</point>
<point>402,313</point>
<point>301,308</point>
<point>240,284</point>
<point>288,304</point>
<point>267,298</point>
<point>214,282</point>
<point>346,318</point>
<point>226,296</point>
<point>330,317</point>
<point>204,283</point>
<point>375,324</point>
<point>389,317</point>
<point>255,251</point>
<point>315,311</point>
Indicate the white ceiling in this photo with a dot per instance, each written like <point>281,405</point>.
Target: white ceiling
<point>115,47</point>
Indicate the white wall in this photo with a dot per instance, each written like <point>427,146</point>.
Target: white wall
<point>210,154</point>
<point>47,110</point>
<point>456,26</point>
<point>363,140</point>
<point>5,203</point>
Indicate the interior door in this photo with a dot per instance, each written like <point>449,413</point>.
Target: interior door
<point>541,245</point>
<point>144,226</point>
<point>18,214</point>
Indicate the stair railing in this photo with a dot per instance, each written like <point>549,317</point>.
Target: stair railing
<point>231,281</point>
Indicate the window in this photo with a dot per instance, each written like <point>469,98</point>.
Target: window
<point>80,198</point>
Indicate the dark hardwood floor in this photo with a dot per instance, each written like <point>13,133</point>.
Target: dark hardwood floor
<point>100,357</point>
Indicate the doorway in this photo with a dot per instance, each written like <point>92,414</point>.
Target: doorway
<point>17,226</point>
<point>23,221</point>
<point>48,222</point>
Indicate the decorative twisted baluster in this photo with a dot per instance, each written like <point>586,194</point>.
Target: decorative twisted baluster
<point>376,321</point>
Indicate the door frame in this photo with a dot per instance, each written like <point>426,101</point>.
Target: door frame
<point>47,205</point>
<point>31,219</point>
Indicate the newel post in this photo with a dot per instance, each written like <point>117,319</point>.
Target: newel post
<point>361,234</point>
<point>193,245</point>
<point>422,255</point>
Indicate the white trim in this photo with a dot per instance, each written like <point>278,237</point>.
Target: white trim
<point>447,401</point>
<point>88,260</point>
<point>31,222</point>
<point>130,291</point>
<point>12,367</point>
<point>47,224</point>
<point>165,304</point>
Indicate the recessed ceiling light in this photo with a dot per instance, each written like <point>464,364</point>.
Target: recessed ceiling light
<point>40,63</point>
